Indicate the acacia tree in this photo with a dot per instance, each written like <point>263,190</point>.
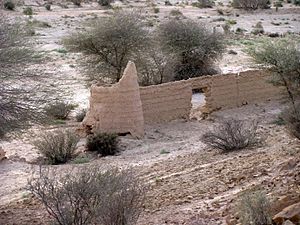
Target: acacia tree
<point>195,47</point>
<point>110,43</point>
<point>283,59</point>
<point>17,101</point>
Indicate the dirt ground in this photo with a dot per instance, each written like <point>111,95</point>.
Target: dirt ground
<point>189,182</point>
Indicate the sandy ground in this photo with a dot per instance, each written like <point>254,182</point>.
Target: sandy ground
<point>187,179</point>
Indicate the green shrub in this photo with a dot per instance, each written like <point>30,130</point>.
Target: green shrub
<point>9,5</point>
<point>254,208</point>
<point>231,135</point>
<point>105,2</point>
<point>77,2</point>
<point>28,11</point>
<point>231,22</point>
<point>59,110</point>
<point>48,7</point>
<point>194,46</point>
<point>57,147</point>
<point>80,115</point>
<point>103,143</point>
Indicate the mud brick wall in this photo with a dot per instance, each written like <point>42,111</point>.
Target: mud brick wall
<point>234,90</point>
<point>117,108</point>
<point>125,107</point>
<point>166,102</point>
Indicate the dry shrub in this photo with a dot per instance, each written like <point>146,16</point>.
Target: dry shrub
<point>231,135</point>
<point>292,119</point>
<point>254,208</point>
<point>90,196</point>
<point>58,146</point>
<point>103,143</point>
<point>251,4</point>
<point>59,110</point>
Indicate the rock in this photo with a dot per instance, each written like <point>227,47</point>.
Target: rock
<point>283,202</point>
<point>291,213</point>
<point>232,52</point>
<point>2,154</point>
<point>288,222</point>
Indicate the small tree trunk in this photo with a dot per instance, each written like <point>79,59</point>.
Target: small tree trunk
<point>290,93</point>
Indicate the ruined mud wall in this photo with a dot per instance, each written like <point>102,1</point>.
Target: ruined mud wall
<point>125,107</point>
<point>234,90</point>
<point>166,102</point>
<point>117,108</point>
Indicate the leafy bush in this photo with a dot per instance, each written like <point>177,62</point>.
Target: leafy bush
<point>9,5</point>
<point>57,147</point>
<point>28,11</point>
<point>105,2</point>
<point>90,196</point>
<point>110,43</point>
<point>103,143</point>
<point>251,4</point>
<point>231,135</point>
<point>80,115</point>
<point>59,110</point>
<point>254,209</point>
<point>194,47</point>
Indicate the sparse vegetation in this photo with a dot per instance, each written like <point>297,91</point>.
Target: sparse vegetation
<point>283,57</point>
<point>58,146</point>
<point>193,46</point>
<point>251,4</point>
<point>103,143</point>
<point>254,208</point>
<point>89,196</point>
<point>28,11</point>
<point>18,105</point>
<point>231,135</point>
<point>59,110</point>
